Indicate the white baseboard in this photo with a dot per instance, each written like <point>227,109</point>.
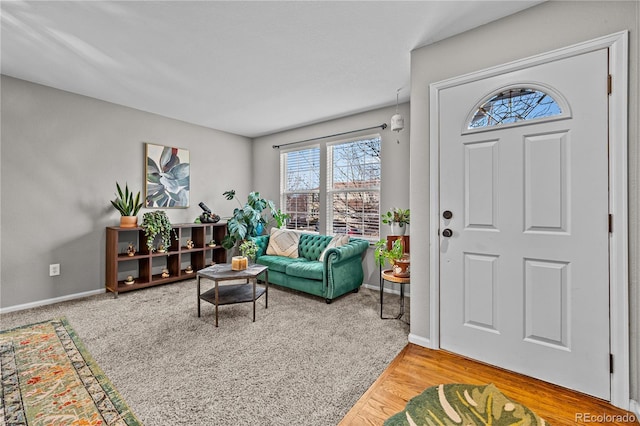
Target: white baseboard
<point>634,407</point>
<point>376,287</point>
<point>50,301</point>
<point>420,341</point>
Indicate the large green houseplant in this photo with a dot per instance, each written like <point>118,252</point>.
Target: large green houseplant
<point>247,220</point>
<point>127,205</point>
<point>157,223</point>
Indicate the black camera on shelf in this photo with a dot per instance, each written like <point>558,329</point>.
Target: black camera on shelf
<point>208,216</point>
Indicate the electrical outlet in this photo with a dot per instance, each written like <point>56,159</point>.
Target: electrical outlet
<point>54,269</point>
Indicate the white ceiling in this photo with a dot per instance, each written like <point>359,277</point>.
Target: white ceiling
<point>249,68</point>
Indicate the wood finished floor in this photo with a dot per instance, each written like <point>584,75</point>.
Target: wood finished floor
<point>417,368</point>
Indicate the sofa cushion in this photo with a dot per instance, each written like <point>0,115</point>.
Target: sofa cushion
<point>278,263</point>
<point>307,269</point>
<point>337,241</point>
<point>283,242</point>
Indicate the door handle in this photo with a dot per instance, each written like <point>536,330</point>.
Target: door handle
<point>446,232</point>
<point>447,214</point>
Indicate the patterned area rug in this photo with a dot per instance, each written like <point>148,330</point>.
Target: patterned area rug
<point>48,378</point>
<point>461,404</point>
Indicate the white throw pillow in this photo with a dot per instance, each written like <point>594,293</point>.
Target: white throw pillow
<point>283,242</point>
<point>337,241</point>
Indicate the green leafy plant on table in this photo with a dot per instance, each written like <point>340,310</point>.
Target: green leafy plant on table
<point>397,217</point>
<point>246,220</point>
<point>396,256</point>
<point>383,255</point>
<point>249,249</point>
<point>400,216</point>
<point>157,223</point>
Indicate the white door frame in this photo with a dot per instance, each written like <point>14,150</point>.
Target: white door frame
<point>618,207</point>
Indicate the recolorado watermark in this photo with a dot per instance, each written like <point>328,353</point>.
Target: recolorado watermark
<point>605,418</point>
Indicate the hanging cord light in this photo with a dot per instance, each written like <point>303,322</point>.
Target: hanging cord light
<point>397,121</point>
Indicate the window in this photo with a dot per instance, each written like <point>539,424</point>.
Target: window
<point>353,188</point>
<point>350,204</point>
<point>300,188</point>
<point>514,105</point>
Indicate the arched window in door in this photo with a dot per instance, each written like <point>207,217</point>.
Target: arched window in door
<point>514,105</point>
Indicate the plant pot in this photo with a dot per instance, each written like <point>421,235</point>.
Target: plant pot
<point>239,263</point>
<point>128,221</point>
<point>398,229</point>
<point>401,268</point>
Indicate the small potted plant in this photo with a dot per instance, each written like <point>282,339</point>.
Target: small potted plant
<point>128,206</point>
<point>280,218</point>
<point>248,248</point>
<point>398,219</point>
<point>157,223</point>
<point>395,256</point>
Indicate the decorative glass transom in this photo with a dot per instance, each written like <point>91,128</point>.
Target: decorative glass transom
<point>514,105</point>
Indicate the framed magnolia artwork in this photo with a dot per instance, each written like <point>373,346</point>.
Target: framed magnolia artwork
<point>167,176</point>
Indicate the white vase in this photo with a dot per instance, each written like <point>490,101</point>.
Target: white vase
<point>398,229</point>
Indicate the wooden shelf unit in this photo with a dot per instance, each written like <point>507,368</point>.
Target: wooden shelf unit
<point>146,267</point>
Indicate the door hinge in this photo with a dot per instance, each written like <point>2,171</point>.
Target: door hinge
<point>610,223</point>
<point>611,363</point>
<point>609,84</point>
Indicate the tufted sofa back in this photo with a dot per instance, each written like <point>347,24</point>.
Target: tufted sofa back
<point>311,246</point>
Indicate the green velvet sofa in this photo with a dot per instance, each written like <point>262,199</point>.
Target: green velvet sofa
<point>340,272</point>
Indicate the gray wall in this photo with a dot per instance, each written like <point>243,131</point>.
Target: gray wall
<point>542,28</point>
<point>61,156</point>
<point>394,191</point>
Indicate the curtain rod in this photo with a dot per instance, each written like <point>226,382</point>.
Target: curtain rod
<point>381,126</point>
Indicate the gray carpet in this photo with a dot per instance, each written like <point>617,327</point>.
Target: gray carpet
<point>302,362</point>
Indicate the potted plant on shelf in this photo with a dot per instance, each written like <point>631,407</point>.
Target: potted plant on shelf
<point>246,221</point>
<point>396,256</point>
<point>157,223</point>
<point>398,219</point>
<point>128,206</point>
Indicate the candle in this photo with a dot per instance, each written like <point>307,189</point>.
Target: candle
<point>239,263</point>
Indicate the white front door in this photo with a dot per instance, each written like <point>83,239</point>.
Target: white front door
<point>524,278</point>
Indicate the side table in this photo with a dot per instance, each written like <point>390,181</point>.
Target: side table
<point>233,293</point>
<point>387,275</point>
